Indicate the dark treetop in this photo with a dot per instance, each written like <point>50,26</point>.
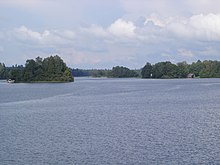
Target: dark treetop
<point>50,69</point>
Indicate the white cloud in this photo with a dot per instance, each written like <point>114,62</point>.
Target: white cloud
<point>47,37</point>
<point>155,20</point>
<point>68,34</point>
<point>24,33</point>
<point>198,27</point>
<point>98,39</point>
<point>161,21</point>
<point>78,58</point>
<point>95,30</point>
<point>122,41</point>
<point>122,28</point>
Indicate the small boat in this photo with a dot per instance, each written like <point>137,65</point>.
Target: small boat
<point>10,81</point>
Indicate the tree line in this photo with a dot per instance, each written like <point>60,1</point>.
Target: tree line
<point>54,69</point>
<point>115,72</point>
<point>205,69</point>
<point>51,68</point>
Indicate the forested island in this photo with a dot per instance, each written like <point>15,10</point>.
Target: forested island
<point>53,69</point>
<point>50,69</point>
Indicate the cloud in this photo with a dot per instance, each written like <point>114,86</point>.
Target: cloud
<point>95,30</point>
<point>24,33</point>
<point>122,28</point>
<point>79,58</point>
<point>47,37</point>
<point>198,27</point>
<point>125,41</point>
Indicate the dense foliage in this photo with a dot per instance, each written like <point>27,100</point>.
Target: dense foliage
<point>2,71</point>
<point>122,72</point>
<point>205,69</point>
<point>80,72</point>
<point>115,72</point>
<point>146,72</point>
<point>54,69</point>
<point>49,69</point>
<point>91,72</point>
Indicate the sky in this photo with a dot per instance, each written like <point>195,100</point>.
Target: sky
<point>105,33</point>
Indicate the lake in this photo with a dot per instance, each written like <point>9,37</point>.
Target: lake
<point>110,121</point>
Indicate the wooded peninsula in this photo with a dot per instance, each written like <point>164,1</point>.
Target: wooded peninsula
<point>53,69</point>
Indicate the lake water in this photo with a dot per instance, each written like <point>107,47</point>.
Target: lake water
<point>111,121</point>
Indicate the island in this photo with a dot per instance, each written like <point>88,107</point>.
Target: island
<point>50,69</point>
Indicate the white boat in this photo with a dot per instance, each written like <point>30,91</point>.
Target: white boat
<point>10,81</point>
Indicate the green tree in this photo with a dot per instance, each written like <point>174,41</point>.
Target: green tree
<point>2,71</point>
<point>146,71</point>
<point>80,72</point>
<point>68,75</point>
<point>196,68</point>
<point>122,72</point>
<point>182,69</point>
<point>49,69</point>
<point>29,70</point>
<point>211,69</point>
<point>15,73</point>
<point>39,73</point>
<point>164,70</point>
<point>216,69</point>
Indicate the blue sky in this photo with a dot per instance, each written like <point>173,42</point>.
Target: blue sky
<point>103,34</point>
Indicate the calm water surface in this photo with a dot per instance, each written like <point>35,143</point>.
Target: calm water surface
<point>111,121</point>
